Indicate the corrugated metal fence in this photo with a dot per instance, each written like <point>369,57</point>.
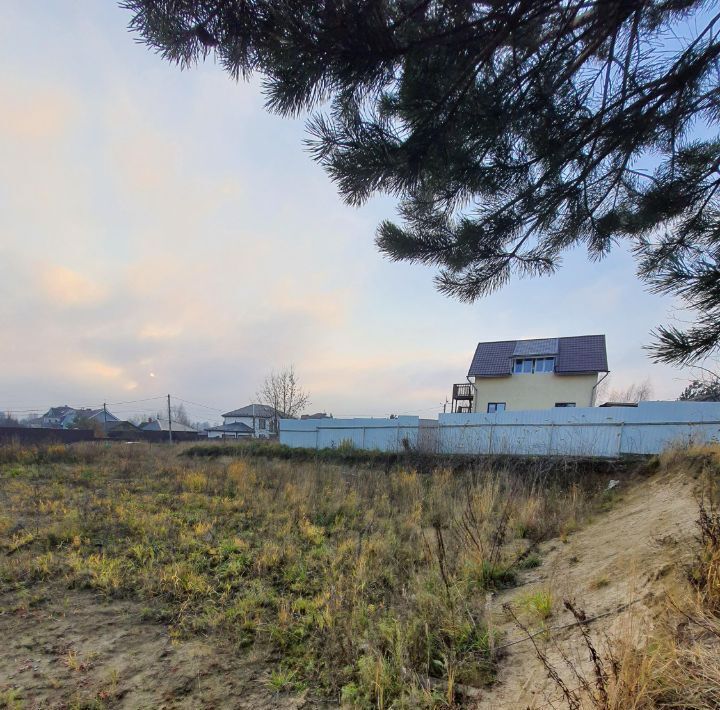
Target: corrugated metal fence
<point>593,431</point>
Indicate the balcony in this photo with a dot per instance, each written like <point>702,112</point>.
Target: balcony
<point>463,391</point>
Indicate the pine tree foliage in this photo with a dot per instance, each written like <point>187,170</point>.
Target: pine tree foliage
<point>707,390</point>
<point>510,132</point>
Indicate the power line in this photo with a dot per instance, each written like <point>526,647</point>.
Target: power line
<point>196,404</point>
<point>135,401</point>
<point>97,405</point>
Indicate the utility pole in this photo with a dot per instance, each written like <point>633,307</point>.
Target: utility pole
<point>105,418</point>
<point>169,422</point>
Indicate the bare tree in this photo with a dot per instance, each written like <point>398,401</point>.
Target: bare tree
<point>7,420</point>
<point>282,391</point>
<point>636,392</point>
<point>179,414</point>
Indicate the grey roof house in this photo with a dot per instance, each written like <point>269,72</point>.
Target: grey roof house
<point>65,417</point>
<point>235,430</point>
<point>533,374</point>
<point>257,420</point>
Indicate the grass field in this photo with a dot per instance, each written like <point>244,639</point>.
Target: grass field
<point>361,585</point>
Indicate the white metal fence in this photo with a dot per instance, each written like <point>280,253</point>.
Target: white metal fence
<point>592,431</point>
<point>381,434</point>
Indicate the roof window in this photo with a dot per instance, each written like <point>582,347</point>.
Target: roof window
<point>533,365</point>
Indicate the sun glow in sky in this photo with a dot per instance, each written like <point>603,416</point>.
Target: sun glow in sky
<point>161,232</point>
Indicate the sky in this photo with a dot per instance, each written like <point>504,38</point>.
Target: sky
<point>160,232</point>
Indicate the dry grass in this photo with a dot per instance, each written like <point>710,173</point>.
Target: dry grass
<point>367,585</point>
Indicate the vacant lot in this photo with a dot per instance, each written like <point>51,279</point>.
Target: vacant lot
<point>136,576</point>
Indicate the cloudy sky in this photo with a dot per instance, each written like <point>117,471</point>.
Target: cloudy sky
<point>160,232</point>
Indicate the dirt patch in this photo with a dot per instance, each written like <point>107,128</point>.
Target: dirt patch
<point>616,568</point>
<point>75,649</point>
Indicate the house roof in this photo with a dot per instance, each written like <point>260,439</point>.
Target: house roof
<point>255,410</point>
<point>95,414</point>
<point>162,425</point>
<point>65,412</point>
<point>235,427</point>
<point>120,425</point>
<point>573,355</point>
<point>59,411</point>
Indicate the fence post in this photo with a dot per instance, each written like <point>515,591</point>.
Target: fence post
<point>317,437</point>
<point>620,437</point>
<point>363,438</point>
<point>550,443</point>
<point>492,434</point>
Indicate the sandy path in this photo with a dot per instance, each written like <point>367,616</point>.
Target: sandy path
<point>76,649</point>
<point>627,555</point>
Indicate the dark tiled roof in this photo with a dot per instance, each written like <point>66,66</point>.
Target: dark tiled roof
<point>577,354</point>
<point>254,410</point>
<point>584,353</point>
<point>237,427</point>
<point>492,359</point>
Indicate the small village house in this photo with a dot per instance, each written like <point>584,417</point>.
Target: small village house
<point>252,421</point>
<point>65,417</point>
<point>532,374</point>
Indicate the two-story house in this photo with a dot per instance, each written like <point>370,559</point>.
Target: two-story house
<point>252,421</point>
<point>533,374</point>
<point>65,417</point>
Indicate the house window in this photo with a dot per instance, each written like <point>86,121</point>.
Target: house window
<point>495,407</point>
<point>533,365</point>
<point>564,404</point>
<point>263,424</point>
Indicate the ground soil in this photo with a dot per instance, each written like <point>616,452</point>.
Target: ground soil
<point>74,649</point>
<point>619,567</point>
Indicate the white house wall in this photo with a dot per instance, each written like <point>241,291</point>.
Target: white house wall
<point>583,431</point>
<point>534,391</point>
<point>248,421</point>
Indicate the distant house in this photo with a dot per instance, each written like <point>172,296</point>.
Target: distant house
<point>258,418</point>
<point>53,418</point>
<point>160,424</point>
<point>533,374</point>
<point>317,415</point>
<point>120,430</point>
<point>92,416</point>
<point>235,430</point>
<point>65,417</point>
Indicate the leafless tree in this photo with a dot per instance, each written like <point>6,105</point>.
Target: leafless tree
<point>7,420</point>
<point>178,415</point>
<point>636,392</point>
<point>282,391</point>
